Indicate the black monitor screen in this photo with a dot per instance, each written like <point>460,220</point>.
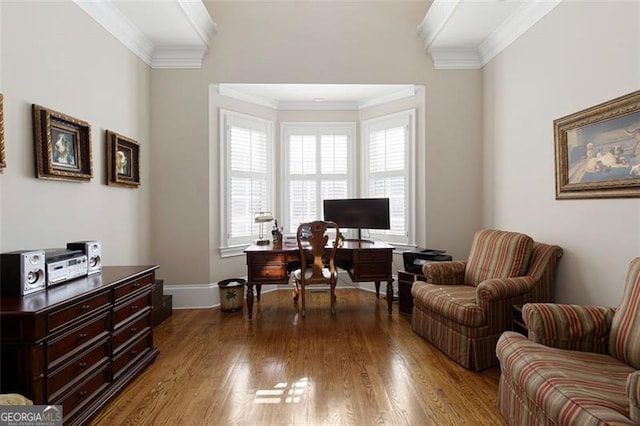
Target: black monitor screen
<point>361,213</point>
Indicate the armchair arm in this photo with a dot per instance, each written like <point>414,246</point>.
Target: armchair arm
<point>633,392</point>
<point>444,273</point>
<point>503,288</point>
<point>582,328</point>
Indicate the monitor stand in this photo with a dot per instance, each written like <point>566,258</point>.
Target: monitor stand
<point>359,239</point>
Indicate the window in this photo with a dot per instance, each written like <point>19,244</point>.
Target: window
<point>317,164</point>
<point>247,176</point>
<point>388,150</point>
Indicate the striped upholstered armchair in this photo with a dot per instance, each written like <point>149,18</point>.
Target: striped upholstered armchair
<point>464,306</point>
<point>580,365</point>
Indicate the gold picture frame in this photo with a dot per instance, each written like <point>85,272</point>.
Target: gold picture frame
<point>62,146</point>
<point>3,161</point>
<point>597,150</point>
<point>123,160</point>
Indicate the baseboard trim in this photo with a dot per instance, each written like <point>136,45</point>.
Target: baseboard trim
<point>204,296</point>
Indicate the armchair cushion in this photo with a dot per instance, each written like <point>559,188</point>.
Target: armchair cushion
<point>542,385</point>
<point>583,328</point>
<point>455,302</point>
<point>497,254</point>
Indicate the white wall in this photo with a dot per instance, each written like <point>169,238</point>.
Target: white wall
<point>55,55</point>
<point>308,42</point>
<point>579,55</point>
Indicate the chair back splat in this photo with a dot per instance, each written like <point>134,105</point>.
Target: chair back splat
<point>317,258</point>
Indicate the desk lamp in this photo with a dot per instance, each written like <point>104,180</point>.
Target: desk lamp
<point>262,218</point>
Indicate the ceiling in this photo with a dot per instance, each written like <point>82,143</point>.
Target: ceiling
<point>457,34</point>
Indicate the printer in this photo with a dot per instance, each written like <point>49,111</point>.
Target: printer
<point>415,259</point>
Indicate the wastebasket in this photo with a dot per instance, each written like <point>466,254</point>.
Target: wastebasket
<point>231,294</point>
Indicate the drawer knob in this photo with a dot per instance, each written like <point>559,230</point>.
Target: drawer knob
<point>136,285</point>
<point>82,365</point>
<point>134,307</point>
<point>134,351</point>
<point>85,307</point>
<point>134,329</point>
<point>82,393</point>
<point>82,336</point>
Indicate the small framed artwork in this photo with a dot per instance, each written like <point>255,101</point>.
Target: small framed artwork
<point>3,162</point>
<point>123,160</point>
<point>597,150</point>
<point>62,146</point>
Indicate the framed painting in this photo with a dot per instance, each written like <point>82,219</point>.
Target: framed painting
<point>123,160</point>
<point>3,162</point>
<point>597,150</point>
<point>62,146</point>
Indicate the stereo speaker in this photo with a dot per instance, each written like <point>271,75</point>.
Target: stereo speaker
<point>93,250</point>
<point>22,272</point>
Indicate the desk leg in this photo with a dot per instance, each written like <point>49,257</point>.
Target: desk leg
<point>258,290</point>
<point>250,299</point>
<point>390,295</point>
<point>377,289</point>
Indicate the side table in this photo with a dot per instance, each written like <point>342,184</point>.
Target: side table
<point>518,324</point>
<point>405,281</point>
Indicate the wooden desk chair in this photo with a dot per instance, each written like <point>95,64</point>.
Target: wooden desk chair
<point>322,269</point>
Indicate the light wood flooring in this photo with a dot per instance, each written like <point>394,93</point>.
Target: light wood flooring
<point>359,367</point>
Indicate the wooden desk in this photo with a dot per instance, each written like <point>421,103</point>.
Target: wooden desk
<point>365,261</point>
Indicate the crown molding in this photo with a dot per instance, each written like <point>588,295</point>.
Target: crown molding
<point>225,90</point>
<point>455,59</point>
<point>475,57</point>
<point>114,21</point>
<point>161,56</point>
<point>513,27</point>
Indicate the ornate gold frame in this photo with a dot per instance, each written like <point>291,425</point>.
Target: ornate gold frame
<point>597,150</point>
<point>123,160</point>
<point>62,146</point>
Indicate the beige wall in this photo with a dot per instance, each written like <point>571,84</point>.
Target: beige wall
<point>55,55</point>
<point>307,42</point>
<point>580,55</point>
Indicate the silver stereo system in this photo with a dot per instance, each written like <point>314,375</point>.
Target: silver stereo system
<point>64,265</point>
<point>22,272</point>
<point>93,250</point>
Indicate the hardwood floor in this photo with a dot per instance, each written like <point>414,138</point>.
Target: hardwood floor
<point>358,367</point>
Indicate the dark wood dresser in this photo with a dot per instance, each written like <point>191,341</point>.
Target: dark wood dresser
<point>80,343</point>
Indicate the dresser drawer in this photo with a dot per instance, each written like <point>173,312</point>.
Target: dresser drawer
<point>84,392</point>
<point>77,340</point>
<point>130,330</point>
<point>131,353</point>
<point>62,317</point>
<point>132,286</point>
<point>124,311</point>
<point>69,375</point>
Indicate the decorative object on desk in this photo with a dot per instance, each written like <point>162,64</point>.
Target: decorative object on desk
<point>276,233</point>
<point>598,150</point>
<point>261,218</point>
<point>3,162</point>
<point>62,146</point>
<point>123,160</point>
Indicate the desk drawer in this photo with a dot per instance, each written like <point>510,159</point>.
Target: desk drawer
<point>267,273</point>
<point>372,256</point>
<point>372,271</point>
<point>266,259</point>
